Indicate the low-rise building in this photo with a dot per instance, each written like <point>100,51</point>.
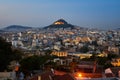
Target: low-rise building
<point>115,62</point>
<point>59,53</point>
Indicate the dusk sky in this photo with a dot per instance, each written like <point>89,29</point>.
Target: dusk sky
<point>40,13</point>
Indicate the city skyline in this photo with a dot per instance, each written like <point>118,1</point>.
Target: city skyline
<point>41,13</point>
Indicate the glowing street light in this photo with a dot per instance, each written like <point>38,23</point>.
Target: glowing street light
<point>79,75</point>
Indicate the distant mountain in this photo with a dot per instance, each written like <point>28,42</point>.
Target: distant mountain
<point>1,31</point>
<point>61,23</point>
<point>16,28</point>
<point>118,28</point>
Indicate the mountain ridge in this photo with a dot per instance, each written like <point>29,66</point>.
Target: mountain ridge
<point>16,28</point>
<point>61,23</point>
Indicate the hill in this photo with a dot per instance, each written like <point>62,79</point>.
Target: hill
<point>1,31</point>
<point>16,28</point>
<point>61,23</point>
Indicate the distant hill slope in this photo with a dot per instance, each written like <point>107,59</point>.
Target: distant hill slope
<point>61,23</point>
<point>118,28</point>
<point>16,28</point>
<point>1,31</point>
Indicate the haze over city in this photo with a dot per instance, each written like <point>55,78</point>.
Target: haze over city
<point>40,13</point>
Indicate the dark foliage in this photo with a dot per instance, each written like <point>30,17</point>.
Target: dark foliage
<point>84,49</point>
<point>35,62</point>
<point>7,54</point>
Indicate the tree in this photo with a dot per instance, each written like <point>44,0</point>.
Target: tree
<point>84,49</point>
<point>34,62</point>
<point>110,56</point>
<point>95,43</point>
<point>48,52</point>
<point>7,54</point>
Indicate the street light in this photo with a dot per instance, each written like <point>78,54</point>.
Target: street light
<point>79,75</point>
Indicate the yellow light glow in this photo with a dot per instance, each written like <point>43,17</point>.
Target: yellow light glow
<point>58,23</point>
<point>80,75</point>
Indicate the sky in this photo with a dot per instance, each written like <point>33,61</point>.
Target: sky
<point>40,13</point>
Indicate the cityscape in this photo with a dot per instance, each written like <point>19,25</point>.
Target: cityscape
<point>61,48</point>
